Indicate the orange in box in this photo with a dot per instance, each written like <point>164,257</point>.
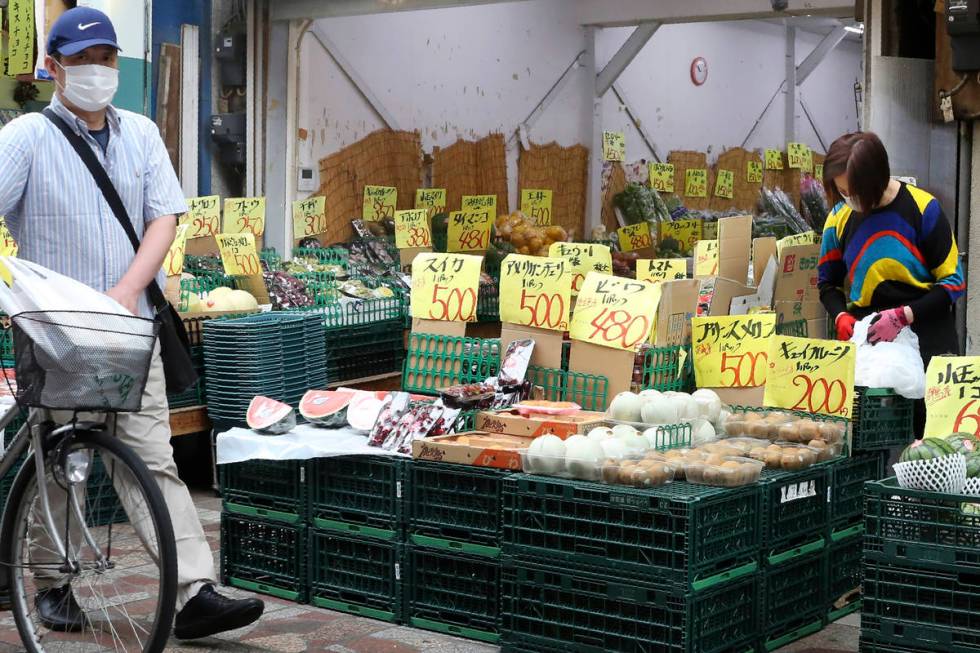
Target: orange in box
<point>474,448</point>
<point>510,422</point>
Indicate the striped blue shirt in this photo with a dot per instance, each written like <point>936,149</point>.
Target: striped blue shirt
<point>58,215</point>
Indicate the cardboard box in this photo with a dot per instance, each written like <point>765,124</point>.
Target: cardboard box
<point>735,248</point>
<point>473,448</point>
<point>763,249</point>
<point>793,311</point>
<point>818,329</point>
<point>678,304</point>
<point>439,327</point>
<point>719,299</point>
<point>796,275</point>
<point>741,396</point>
<point>510,422</point>
<point>614,364</point>
<point>547,344</point>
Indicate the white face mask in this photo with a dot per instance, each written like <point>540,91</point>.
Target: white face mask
<point>90,87</point>
<point>852,203</point>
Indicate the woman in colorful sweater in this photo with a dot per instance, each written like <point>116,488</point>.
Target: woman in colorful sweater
<point>887,249</point>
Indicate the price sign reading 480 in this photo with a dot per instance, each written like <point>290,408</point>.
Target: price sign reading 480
<point>731,351</point>
<point>444,287</point>
<point>238,254</point>
<point>815,376</point>
<point>535,291</point>
<point>469,231</point>
<point>244,215</point>
<point>614,312</point>
<point>953,396</point>
<point>635,236</point>
<point>203,216</point>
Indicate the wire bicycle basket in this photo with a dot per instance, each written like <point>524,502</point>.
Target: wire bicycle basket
<point>82,360</point>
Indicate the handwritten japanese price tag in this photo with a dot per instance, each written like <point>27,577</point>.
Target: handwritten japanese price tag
<point>661,269</point>
<point>20,40</point>
<point>238,255</point>
<point>445,287</point>
<point>203,216</point>
<point>662,177</point>
<point>469,231</point>
<point>731,351</point>
<point>431,198</point>
<point>535,291</point>
<point>613,146</point>
<point>379,203</point>
<point>244,214</point>
<point>805,238</point>
<point>800,156</point>
<point>774,160</point>
<point>696,182</point>
<point>614,312</point>
<point>582,258</point>
<point>706,258</point>
<point>412,229</point>
<point>686,232</point>
<point>536,204</point>
<point>815,376</point>
<point>953,395</point>
<point>818,171</point>
<point>173,264</point>
<point>753,172</point>
<point>474,203</point>
<point>635,236</point>
<point>725,184</point>
<point>309,217</point>
<point>8,246</point>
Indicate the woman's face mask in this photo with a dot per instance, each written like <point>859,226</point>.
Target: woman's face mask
<point>90,87</point>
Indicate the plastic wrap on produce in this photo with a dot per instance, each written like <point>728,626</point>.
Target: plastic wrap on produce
<point>302,443</point>
<point>896,365</point>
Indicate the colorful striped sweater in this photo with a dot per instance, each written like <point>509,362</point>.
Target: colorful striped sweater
<point>900,254</point>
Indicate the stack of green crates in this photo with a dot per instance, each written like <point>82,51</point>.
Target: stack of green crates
<point>921,571</point>
<point>882,419</point>
<point>435,362</point>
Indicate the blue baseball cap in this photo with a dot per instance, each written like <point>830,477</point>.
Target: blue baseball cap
<point>80,28</point>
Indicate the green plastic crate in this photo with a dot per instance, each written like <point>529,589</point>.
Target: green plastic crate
<point>926,529</point>
<point>869,644</point>
<point>795,328</point>
<point>488,303</point>
<point>357,352</point>
<point>361,495</point>
<point>882,419</point>
<point>847,479</point>
<point>795,507</point>
<point>7,347</point>
<point>665,368</point>
<point>453,593</point>
<point>268,489</point>
<point>325,255</point>
<point>844,569</point>
<point>271,258</point>
<point>455,507</point>
<point>793,596</point>
<point>435,362</point>
<point>357,575</point>
<point>589,391</point>
<point>264,556</point>
<point>548,608</point>
<point>689,536</point>
<point>915,606</point>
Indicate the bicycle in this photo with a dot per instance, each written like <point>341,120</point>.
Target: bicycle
<point>120,560</point>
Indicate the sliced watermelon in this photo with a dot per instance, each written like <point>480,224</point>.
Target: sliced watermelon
<point>926,449</point>
<point>270,416</point>
<point>327,408</point>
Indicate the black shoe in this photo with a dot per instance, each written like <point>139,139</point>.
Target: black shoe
<point>59,611</point>
<point>210,613</point>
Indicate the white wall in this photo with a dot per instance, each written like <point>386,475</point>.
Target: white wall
<point>462,73</point>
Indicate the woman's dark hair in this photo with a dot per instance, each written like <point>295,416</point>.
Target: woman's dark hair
<point>862,159</point>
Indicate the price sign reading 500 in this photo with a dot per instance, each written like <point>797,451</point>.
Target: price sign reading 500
<point>203,216</point>
<point>244,215</point>
<point>815,376</point>
<point>535,291</point>
<point>445,286</point>
<point>732,351</point>
<point>238,254</point>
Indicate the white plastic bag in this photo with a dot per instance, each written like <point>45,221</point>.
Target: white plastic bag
<point>896,365</point>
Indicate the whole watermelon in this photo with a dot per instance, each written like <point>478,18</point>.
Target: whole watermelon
<point>973,465</point>
<point>964,443</point>
<point>926,449</point>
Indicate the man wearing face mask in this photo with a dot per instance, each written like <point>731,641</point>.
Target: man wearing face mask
<point>60,219</point>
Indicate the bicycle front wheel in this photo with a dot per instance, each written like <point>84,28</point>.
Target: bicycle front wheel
<point>119,558</point>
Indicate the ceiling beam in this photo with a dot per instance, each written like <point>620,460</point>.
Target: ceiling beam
<point>633,12</point>
<point>301,9</point>
<point>624,56</point>
<point>819,53</point>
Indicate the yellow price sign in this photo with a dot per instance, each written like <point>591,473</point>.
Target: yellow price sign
<point>635,236</point>
<point>445,287</point>
<point>8,246</point>
<point>244,215</point>
<point>696,182</point>
<point>535,292</point>
<point>309,217</point>
<point>818,171</point>
<point>706,258</point>
<point>412,229</point>
<point>774,160</point>
<point>469,231</point>
<point>173,264</point>
<point>953,396</point>
<point>203,216</point>
<point>536,204</point>
<point>614,146</point>
<point>805,238</point>
<point>431,198</point>
<point>725,184</point>
<point>615,312</point>
<point>753,172</point>
<point>582,258</point>
<point>685,232</point>
<point>662,177</point>
<point>732,351</point>
<point>472,203</point>
<point>238,255</point>
<point>20,38</point>
<point>380,202</point>
<point>800,156</point>
<point>815,376</point>
<point>661,269</point>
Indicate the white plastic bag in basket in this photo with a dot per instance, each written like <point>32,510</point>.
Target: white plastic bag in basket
<point>896,365</point>
<point>946,474</point>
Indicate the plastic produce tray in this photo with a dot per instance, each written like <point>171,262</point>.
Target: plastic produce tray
<point>358,494</point>
<point>882,419</point>
<point>844,568</point>
<point>588,391</point>
<point>268,489</point>
<point>685,535</point>
<point>264,557</point>
<point>793,598</point>
<point>435,362</point>
<point>795,507</point>
<point>847,479</point>
<point>551,609</point>
<point>358,575</point>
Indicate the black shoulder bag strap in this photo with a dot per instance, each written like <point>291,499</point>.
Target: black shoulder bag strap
<point>174,345</point>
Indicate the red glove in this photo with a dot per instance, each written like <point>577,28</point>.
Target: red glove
<point>845,325</point>
<point>886,325</point>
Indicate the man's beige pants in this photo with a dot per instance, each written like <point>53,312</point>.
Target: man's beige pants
<point>148,434</point>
